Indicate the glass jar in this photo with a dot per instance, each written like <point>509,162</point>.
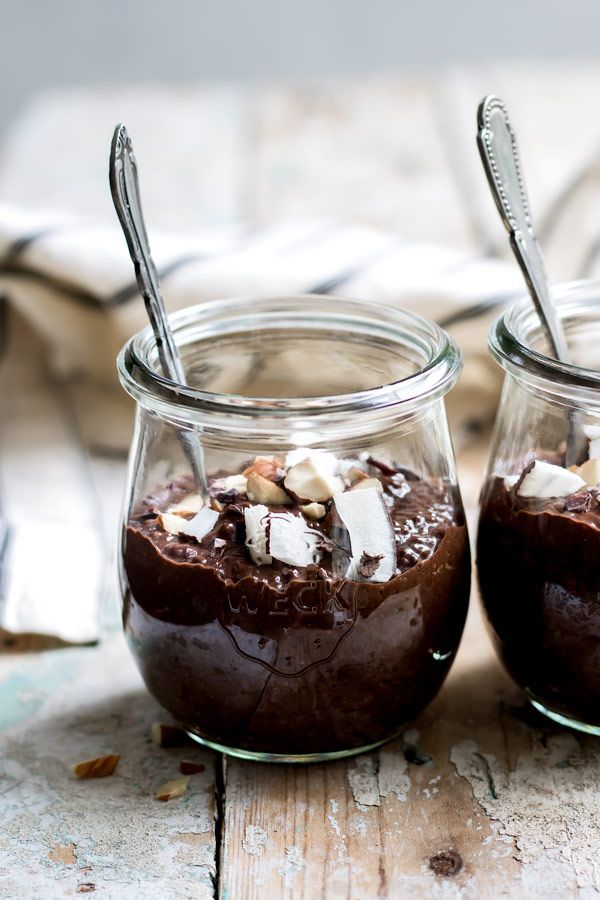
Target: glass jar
<point>538,547</point>
<point>295,565</point>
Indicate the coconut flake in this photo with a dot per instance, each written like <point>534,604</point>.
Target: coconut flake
<point>229,483</point>
<point>545,480</point>
<point>201,524</point>
<point>256,519</point>
<point>291,541</point>
<point>371,532</point>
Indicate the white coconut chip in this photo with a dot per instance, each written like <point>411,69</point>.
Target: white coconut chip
<point>547,480</point>
<point>370,528</point>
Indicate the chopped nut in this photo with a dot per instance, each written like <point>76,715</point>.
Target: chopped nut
<point>100,767</point>
<point>355,475</point>
<point>313,510</point>
<point>168,735</point>
<point>261,490</point>
<point>366,483</point>
<point>216,505</point>
<point>368,564</point>
<point>589,471</point>
<point>193,503</point>
<point>173,789</point>
<point>580,502</point>
<point>268,467</point>
<point>310,480</point>
<point>172,524</point>
<point>190,768</point>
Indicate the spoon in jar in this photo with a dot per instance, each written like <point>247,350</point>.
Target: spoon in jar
<point>500,157</point>
<point>125,190</point>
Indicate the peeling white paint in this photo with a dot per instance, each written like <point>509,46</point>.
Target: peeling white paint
<point>547,806</point>
<point>255,840</point>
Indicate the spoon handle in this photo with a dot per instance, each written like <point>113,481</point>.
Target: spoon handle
<point>125,190</point>
<point>500,157</point>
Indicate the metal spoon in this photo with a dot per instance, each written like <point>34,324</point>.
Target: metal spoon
<point>125,190</point>
<point>500,157</point>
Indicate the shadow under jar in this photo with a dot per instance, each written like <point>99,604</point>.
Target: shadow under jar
<point>538,545</point>
<point>304,597</point>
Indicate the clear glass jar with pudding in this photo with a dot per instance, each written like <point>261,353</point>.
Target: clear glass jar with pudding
<point>538,546</point>
<point>294,559</point>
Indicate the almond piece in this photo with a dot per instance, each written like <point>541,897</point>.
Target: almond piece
<point>193,503</point>
<point>168,735</point>
<point>100,767</point>
<point>355,475</point>
<point>366,483</point>
<point>173,789</point>
<point>589,471</point>
<point>171,524</point>
<point>267,466</point>
<point>310,480</point>
<point>313,510</point>
<point>260,490</point>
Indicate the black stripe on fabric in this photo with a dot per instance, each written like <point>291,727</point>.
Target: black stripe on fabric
<point>71,291</point>
<point>74,292</point>
<point>131,290</point>
<point>477,309</point>
<point>18,247</point>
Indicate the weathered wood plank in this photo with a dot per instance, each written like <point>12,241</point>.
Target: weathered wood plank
<point>57,709</point>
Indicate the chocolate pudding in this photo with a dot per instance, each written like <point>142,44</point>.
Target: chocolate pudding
<point>334,651</point>
<point>538,561</point>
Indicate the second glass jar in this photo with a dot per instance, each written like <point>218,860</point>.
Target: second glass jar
<point>538,548</point>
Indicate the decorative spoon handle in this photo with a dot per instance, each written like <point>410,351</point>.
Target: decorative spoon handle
<point>500,156</point>
<point>125,190</point>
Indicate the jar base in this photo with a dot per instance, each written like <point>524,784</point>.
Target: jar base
<point>564,720</point>
<point>258,756</point>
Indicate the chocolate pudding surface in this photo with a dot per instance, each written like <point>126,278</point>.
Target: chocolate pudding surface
<point>289,660</point>
<point>538,564</point>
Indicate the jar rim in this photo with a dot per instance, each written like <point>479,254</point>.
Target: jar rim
<point>508,335</point>
<point>443,359</point>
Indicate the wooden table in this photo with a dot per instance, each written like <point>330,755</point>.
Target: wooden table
<point>480,798</point>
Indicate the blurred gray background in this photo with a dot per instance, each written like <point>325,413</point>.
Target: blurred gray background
<point>46,43</point>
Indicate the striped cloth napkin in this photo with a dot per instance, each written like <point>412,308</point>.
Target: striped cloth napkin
<point>72,282</point>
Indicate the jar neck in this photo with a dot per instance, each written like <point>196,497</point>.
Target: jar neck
<point>519,344</point>
<point>428,363</point>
